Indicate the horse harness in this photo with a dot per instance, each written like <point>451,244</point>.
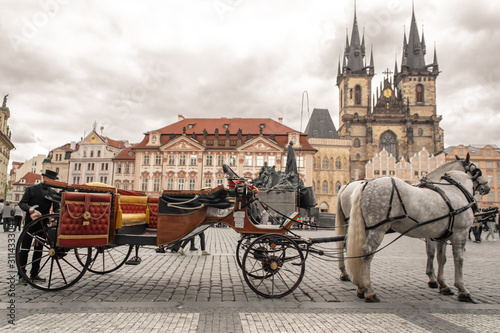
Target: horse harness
<point>426,183</point>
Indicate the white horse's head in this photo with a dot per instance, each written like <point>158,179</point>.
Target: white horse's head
<point>480,183</point>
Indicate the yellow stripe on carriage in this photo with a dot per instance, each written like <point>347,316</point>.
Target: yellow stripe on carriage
<point>83,236</point>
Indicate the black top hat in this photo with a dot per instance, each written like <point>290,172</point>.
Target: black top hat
<point>50,174</point>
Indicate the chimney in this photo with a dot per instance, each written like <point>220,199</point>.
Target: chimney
<point>280,120</point>
<point>73,145</point>
<point>180,117</point>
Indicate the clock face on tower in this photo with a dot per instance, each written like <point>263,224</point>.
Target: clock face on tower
<point>387,93</point>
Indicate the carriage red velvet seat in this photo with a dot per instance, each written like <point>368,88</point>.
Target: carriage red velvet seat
<point>153,212</point>
<point>84,219</point>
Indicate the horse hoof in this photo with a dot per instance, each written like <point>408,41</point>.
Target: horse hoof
<point>360,295</point>
<point>344,277</point>
<point>446,291</point>
<point>372,299</point>
<point>466,298</point>
<point>433,285</point>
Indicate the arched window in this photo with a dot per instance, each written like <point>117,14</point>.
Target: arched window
<point>314,163</point>
<point>356,143</point>
<point>357,94</point>
<point>337,187</point>
<point>324,188</point>
<point>323,207</point>
<point>338,164</point>
<point>358,156</point>
<point>420,132</point>
<point>389,142</point>
<point>420,93</point>
<point>325,163</point>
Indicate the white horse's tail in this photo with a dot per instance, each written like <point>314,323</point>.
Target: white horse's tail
<point>356,236</point>
<point>340,220</point>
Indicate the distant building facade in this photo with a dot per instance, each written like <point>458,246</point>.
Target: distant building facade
<point>331,160</point>
<point>58,160</point>
<point>20,186</point>
<point>487,158</point>
<point>189,154</point>
<point>92,161</point>
<point>5,147</point>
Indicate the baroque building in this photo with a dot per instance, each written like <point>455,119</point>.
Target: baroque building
<point>400,117</point>
<point>92,161</point>
<point>331,161</point>
<point>189,154</point>
<point>5,147</point>
<point>58,160</point>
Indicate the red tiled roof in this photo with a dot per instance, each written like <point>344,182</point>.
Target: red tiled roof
<point>30,179</point>
<point>247,125</point>
<point>125,155</point>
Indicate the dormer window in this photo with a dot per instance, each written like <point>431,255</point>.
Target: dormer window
<point>23,181</point>
<point>190,125</point>
<point>226,126</point>
<point>153,139</point>
<point>37,181</point>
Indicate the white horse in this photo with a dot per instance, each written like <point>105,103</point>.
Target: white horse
<point>443,209</point>
<point>344,210</point>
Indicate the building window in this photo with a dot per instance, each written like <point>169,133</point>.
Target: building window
<point>156,185</point>
<point>271,161</point>
<point>90,179</point>
<point>324,188</point>
<point>192,184</point>
<point>420,93</point>
<point>491,197</point>
<point>300,161</point>
<point>90,166</point>
<point>158,159</point>
<point>357,143</point>
<point>180,184</point>
<point>145,160</point>
<point>208,160</point>
<point>220,160</point>
<point>182,160</point>
<point>192,159</point>
<point>337,187</point>
<point>144,185</point>
<point>118,168</point>
<point>125,186</point>
<point>358,156</point>
<point>104,166</point>
<point>357,94</point>
<point>489,165</point>
<point>490,179</point>
<point>325,163</point>
<point>98,153</point>
<point>91,153</point>
<point>420,132</point>
<point>170,184</point>
<point>389,143</point>
<point>338,164</point>
<point>232,160</point>
<point>248,160</point>
<point>171,160</point>
<point>208,182</point>
<point>104,179</point>
<point>260,160</point>
<point>127,169</point>
<point>76,180</point>
<point>220,181</point>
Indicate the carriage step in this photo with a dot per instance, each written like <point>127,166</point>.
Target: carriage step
<point>147,238</point>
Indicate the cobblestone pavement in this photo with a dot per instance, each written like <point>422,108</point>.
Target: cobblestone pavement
<point>194,293</point>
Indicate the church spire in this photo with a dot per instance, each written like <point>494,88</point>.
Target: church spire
<point>413,50</point>
<point>355,49</point>
<point>435,67</point>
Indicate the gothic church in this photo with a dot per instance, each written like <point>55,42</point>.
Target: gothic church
<point>400,116</point>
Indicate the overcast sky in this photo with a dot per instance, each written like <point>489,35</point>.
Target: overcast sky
<point>133,66</point>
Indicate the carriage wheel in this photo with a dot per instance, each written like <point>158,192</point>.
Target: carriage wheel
<point>241,248</point>
<point>273,266</point>
<point>106,259</point>
<point>57,265</point>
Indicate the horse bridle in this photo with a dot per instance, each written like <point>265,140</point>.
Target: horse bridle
<point>475,173</point>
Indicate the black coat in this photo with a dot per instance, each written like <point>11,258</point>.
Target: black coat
<point>36,195</point>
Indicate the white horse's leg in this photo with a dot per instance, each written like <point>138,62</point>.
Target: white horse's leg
<point>373,241</point>
<point>340,228</point>
<point>430,247</point>
<point>458,258</point>
<point>444,289</point>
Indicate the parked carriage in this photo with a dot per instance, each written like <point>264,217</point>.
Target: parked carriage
<point>98,226</point>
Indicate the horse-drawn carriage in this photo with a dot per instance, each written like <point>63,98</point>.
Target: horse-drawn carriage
<point>98,226</point>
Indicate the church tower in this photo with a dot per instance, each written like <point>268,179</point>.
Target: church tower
<point>354,80</point>
<point>417,83</point>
